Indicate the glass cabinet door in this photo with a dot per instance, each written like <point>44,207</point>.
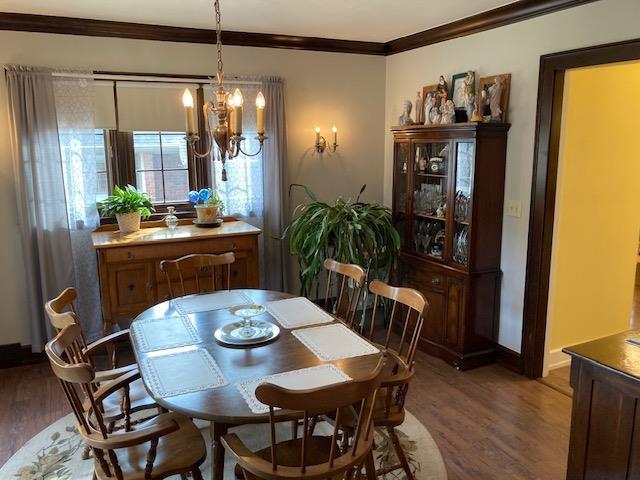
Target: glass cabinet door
<point>465,158</point>
<point>429,195</point>
<point>402,161</point>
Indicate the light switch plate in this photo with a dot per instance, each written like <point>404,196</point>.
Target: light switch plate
<point>514,208</point>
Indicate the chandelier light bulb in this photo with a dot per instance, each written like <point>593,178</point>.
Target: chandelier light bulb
<point>237,98</point>
<point>187,98</point>
<point>260,101</point>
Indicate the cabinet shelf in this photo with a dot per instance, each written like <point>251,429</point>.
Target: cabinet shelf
<point>433,175</point>
<point>430,217</point>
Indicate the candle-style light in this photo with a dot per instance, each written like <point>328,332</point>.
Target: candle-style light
<point>227,134</point>
<point>335,135</point>
<point>321,143</point>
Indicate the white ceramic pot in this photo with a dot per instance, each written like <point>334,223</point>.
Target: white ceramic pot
<point>128,222</point>
<point>206,214</point>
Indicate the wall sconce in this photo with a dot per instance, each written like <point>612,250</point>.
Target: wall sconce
<point>321,143</point>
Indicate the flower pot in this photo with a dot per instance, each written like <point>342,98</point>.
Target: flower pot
<point>206,214</point>
<point>128,222</point>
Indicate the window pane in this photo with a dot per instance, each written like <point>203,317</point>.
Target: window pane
<point>151,183</point>
<point>174,151</point>
<point>176,184</point>
<point>102,191</point>
<point>100,152</point>
<point>146,146</point>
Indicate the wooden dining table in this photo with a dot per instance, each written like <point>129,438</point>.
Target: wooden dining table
<point>225,406</point>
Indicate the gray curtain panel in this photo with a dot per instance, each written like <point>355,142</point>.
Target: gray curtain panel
<point>42,209</point>
<point>274,175</point>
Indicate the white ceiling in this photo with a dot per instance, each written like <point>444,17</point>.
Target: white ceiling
<point>369,20</point>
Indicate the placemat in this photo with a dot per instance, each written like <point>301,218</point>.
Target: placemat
<point>297,312</point>
<point>182,372</point>
<point>303,379</point>
<point>162,333</point>
<point>210,301</point>
<point>334,342</point>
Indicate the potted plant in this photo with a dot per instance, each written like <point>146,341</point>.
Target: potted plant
<point>207,204</point>
<point>129,206</point>
<point>350,232</point>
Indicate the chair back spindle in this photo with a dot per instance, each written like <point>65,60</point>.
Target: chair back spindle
<point>347,280</point>
<point>204,269</point>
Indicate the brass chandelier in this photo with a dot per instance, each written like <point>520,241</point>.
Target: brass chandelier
<point>227,107</point>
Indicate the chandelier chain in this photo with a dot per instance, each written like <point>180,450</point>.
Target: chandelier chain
<point>216,4</point>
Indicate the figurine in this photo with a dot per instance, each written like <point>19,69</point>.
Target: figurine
<point>428,107</point>
<point>494,93</point>
<point>449,113</point>
<point>435,116</point>
<point>405,118</point>
<point>442,92</point>
<point>470,103</point>
<point>419,109</point>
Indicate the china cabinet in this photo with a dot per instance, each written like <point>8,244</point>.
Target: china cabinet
<point>448,189</point>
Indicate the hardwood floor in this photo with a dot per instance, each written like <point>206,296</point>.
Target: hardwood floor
<point>559,379</point>
<point>489,423</point>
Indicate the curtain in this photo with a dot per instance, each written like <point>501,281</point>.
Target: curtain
<point>80,151</point>
<point>253,191</point>
<point>42,207</point>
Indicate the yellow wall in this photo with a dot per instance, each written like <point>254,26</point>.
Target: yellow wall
<point>597,205</point>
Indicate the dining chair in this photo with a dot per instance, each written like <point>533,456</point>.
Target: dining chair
<point>347,280</point>
<point>408,309</point>
<point>165,445</point>
<point>176,271</point>
<point>122,403</point>
<point>313,456</point>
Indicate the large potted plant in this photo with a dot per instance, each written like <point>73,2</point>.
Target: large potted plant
<point>350,232</point>
<point>129,206</point>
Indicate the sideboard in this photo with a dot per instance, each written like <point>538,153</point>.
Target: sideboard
<point>129,264</point>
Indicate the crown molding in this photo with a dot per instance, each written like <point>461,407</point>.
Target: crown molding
<point>498,17</point>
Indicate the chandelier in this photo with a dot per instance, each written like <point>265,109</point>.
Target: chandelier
<point>227,134</point>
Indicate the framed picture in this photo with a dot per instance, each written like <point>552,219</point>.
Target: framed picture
<point>489,89</point>
<point>456,93</point>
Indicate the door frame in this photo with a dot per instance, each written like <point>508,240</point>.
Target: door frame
<point>543,188</point>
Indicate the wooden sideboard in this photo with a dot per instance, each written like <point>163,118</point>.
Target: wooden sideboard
<point>605,419</point>
<point>128,264</point>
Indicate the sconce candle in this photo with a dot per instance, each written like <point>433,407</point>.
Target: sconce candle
<point>187,101</point>
<point>335,135</point>
<point>317,135</point>
<point>260,103</point>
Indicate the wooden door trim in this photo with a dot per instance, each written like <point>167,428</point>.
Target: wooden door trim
<point>543,189</point>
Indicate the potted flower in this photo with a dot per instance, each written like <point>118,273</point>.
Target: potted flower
<point>129,206</point>
<point>207,204</point>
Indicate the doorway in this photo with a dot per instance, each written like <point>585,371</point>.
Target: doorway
<point>545,176</point>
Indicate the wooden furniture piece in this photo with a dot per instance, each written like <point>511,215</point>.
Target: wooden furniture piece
<point>165,445</point>
<point>197,264</point>
<point>314,456</point>
<point>347,281</point>
<point>129,265</point>
<point>448,189</point>
<point>224,406</point>
<point>605,420</point>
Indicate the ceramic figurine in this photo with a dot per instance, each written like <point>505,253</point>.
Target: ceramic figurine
<point>470,104</point>
<point>449,113</point>
<point>494,93</point>
<point>405,118</point>
<point>419,109</point>
<point>435,116</point>
<point>428,108</point>
<point>442,93</point>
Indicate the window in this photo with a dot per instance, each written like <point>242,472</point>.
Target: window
<point>162,165</point>
<point>103,172</point>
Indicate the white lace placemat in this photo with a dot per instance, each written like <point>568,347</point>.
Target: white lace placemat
<point>182,372</point>
<point>333,342</point>
<point>297,312</point>
<point>303,379</point>
<point>210,301</point>
<point>162,333</point>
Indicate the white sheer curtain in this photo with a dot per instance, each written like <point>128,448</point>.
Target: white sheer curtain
<point>253,190</point>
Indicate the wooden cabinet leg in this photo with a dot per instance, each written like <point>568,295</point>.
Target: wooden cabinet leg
<point>218,430</point>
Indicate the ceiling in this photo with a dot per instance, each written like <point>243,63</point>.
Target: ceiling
<point>367,20</point>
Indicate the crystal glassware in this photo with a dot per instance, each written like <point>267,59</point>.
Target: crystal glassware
<point>171,220</point>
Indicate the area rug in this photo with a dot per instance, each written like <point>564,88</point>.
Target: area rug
<point>56,452</point>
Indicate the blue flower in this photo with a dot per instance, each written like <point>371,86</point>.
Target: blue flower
<point>193,197</point>
<point>205,194</point>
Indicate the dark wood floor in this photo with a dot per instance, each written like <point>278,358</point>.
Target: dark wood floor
<point>489,423</point>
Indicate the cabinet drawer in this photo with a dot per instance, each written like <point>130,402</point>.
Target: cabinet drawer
<point>177,249</point>
<point>424,277</point>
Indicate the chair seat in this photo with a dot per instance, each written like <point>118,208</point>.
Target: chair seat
<point>138,396</point>
<point>393,418</point>
<point>177,452</point>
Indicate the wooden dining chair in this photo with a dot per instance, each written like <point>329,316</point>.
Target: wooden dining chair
<point>178,271</point>
<point>313,456</point>
<point>347,281</point>
<point>122,403</point>
<point>166,445</point>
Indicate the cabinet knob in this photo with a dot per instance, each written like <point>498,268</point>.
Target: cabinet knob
<point>435,280</point>
<point>234,246</point>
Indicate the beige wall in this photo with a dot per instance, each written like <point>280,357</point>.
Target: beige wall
<point>320,89</point>
<point>595,237</point>
<point>514,49</point>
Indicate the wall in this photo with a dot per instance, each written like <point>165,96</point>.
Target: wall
<point>597,210</point>
<point>514,49</point>
<point>320,89</point>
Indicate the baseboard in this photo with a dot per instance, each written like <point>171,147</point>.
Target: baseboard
<point>15,355</point>
<point>509,359</point>
<point>558,359</point>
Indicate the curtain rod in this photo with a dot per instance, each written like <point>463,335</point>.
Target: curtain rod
<point>152,77</point>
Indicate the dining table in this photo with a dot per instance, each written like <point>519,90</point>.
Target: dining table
<point>224,406</point>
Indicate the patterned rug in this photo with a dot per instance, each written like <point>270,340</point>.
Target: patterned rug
<point>56,452</point>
